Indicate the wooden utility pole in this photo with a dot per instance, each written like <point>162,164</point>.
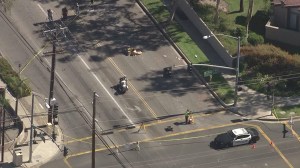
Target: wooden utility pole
<point>93,131</point>
<point>54,32</point>
<point>52,78</point>
<point>3,133</point>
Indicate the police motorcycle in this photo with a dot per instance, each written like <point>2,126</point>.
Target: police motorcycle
<point>123,87</point>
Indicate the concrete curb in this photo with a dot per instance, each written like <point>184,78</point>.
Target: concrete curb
<point>228,107</point>
<point>180,53</point>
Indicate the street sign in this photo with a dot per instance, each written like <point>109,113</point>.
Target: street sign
<point>209,73</point>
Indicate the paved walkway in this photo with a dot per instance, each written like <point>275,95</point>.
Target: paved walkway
<point>250,103</point>
<point>44,149</point>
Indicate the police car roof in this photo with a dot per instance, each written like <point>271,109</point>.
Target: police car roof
<point>239,131</point>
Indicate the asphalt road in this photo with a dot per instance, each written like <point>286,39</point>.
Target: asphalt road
<point>94,60</point>
<point>192,149</point>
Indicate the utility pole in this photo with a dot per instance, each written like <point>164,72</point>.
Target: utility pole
<point>237,72</point>
<point>54,32</point>
<point>93,131</point>
<point>52,78</point>
<point>31,128</point>
<point>3,130</point>
<point>18,94</point>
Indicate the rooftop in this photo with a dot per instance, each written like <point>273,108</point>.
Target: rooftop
<point>287,3</point>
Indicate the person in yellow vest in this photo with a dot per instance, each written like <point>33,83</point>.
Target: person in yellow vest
<point>186,116</point>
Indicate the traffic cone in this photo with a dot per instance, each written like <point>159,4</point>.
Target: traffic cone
<point>271,143</point>
<point>253,146</point>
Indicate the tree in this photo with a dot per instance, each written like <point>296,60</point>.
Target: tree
<point>217,11</point>
<point>241,5</point>
<point>249,15</point>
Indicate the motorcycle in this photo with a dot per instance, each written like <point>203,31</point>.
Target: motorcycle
<point>123,87</point>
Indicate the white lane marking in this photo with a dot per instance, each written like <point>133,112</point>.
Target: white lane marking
<point>105,89</point>
<point>41,106</point>
<point>42,9</point>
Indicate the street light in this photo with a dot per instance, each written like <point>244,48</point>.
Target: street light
<point>31,122</point>
<point>237,70</point>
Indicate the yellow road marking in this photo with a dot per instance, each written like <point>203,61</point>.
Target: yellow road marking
<point>180,139</point>
<point>32,59</point>
<point>67,163</point>
<point>122,130</point>
<point>133,88</point>
<point>78,140</point>
<point>198,130</point>
<point>273,144</point>
<point>293,132</point>
<point>190,131</point>
<point>175,119</point>
<point>148,140</point>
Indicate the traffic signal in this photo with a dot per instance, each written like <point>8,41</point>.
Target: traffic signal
<point>66,151</point>
<point>50,114</point>
<point>189,68</point>
<point>55,114</point>
<point>55,111</point>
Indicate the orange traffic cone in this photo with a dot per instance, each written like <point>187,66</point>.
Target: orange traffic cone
<point>271,143</point>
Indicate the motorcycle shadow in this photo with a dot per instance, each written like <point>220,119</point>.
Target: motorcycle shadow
<point>117,90</point>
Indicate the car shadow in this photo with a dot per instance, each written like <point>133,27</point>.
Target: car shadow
<point>212,145</point>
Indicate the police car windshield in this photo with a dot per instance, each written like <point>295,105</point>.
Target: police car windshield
<point>231,134</point>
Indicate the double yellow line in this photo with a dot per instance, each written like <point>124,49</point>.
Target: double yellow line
<point>133,89</point>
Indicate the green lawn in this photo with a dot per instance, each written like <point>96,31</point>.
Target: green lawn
<point>187,46</point>
<point>287,111</point>
<point>233,22</point>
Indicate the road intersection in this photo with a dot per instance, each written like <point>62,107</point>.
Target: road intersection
<point>95,61</point>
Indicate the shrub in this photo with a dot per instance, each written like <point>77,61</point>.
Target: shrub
<point>258,22</point>
<point>15,85</point>
<point>255,39</point>
<point>269,63</point>
<point>239,31</point>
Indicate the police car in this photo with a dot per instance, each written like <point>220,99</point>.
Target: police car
<point>235,137</point>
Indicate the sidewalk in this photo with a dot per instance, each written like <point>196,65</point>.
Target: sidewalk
<point>44,149</point>
<point>251,104</point>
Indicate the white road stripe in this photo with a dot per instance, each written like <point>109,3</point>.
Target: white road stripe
<point>42,9</point>
<point>41,106</point>
<point>105,89</point>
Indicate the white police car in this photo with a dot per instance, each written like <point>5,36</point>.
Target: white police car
<point>235,137</point>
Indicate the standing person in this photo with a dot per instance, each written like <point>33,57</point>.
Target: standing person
<point>186,115</point>
<point>77,9</point>
<point>92,2</point>
<point>64,12</point>
<point>138,146</point>
<point>50,15</point>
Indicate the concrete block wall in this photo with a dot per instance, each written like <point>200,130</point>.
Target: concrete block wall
<point>282,35</point>
<point>204,30</point>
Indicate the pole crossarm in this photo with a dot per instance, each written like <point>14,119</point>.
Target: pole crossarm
<point>214,66</point>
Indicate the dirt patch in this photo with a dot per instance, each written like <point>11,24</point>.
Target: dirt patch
<point>223,5</point>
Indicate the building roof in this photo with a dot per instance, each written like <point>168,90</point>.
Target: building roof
<point>287,3</point>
